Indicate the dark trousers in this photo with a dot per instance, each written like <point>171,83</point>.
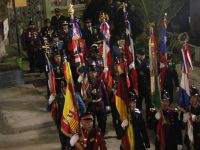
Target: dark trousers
<point>32,60</point>
<point>144,95</point>
<point>100,115</point>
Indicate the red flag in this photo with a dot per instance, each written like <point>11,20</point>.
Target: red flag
<point>69,120</point>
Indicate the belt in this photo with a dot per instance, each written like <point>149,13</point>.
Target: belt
<point>96,100</point>
<point>59,78</point>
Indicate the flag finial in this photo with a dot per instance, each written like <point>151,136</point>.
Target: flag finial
<point>70,11</point>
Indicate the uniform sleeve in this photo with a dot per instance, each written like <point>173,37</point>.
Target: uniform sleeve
<point>144,132</point>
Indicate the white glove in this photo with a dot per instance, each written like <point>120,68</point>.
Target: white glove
<point>108,108</point>
<point>158,115</point>
<point>80,78</point>
<point>177,89</point>
<point>185,117</point>
<point>194,117</point>
<point>74,139</point>
<point>179,147</point>
<point>105,69</point>
<point>132,65</point>
<point>124,123</point>
<point>51,98</point>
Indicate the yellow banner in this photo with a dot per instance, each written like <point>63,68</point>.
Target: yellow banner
<point>18,3</point>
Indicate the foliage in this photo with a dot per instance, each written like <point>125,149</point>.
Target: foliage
<point>153,11</point>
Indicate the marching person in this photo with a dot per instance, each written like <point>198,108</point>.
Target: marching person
<point>168,127</point>
<point>89,136</point>
<point>141,140</point>
<point>57,20</point>
<point>192,137</point>
<point>143,74</point>
<point>47,30</point>
<point>97,98</point>
<point>171,78</point>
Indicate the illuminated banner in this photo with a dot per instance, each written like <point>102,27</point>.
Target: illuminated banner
<point>18,3</point>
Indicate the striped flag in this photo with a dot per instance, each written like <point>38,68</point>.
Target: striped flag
<point>107,59</point>
<point>51,76</point>
<point>129,52</point>
<point>121,101</point>
<point>76,43</point>
<point>186,66</point>
<point>70,119</point>
<point>155,86</point>
<point>163,53</point>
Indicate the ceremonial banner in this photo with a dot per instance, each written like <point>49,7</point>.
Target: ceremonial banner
<point>18,3</point>
<point>70,120</point>
<point>121,100</point>
<point>186,66</point>
<point>129,52</point>
<point>163,53</point>
<point>155,88</point>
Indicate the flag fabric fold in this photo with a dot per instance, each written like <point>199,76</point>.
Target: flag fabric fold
<point>154,80</point>
<point>70,119</point>
<point>186,66</point>
<point>76,43</point>
<point>129,53</point>
<point>163,53</point>
<point>121,101</point>
<point>107,58</point>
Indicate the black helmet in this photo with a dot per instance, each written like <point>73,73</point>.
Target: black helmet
<point>94,48</point>
<point>132,95</point>
<point>140,51</point>
<point>55,35</point>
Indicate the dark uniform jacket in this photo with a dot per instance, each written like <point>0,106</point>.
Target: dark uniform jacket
<point>143,74</point>
<point>31,40</point>
<point>56,23</point>
<point>46,32</point>
<point>98,96</point>
<point>171,79</point>
<point>171,130</point>
<point>139,128</point>
<point>141,140</point>
<point>196,127</point>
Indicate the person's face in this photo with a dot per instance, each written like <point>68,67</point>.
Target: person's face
<point>165,103</point>
<point>193,101</point>
<point>57,59</point>
<point>92,74</point>
<point>55,39</point>
<point>48,24</point>
<point>65,28</point>
<point>88,24</point>
<point>140,57</point>
<point>57,13</point>
<point>132,105</point>
<point>87,124</point>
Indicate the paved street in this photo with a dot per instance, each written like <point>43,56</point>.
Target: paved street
<point>25,124</point>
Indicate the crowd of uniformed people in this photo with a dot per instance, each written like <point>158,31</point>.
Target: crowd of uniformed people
<point>50,46</point>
